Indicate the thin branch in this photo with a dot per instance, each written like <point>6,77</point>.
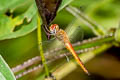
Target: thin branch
<point>37,58</point>
<point>26,64</point>
<point>28,71</point>
<point>84,57</point>
<point>53,59</point>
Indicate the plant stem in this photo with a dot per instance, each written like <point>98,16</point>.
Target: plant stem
<point>97,29</point>
<point>41,48</point>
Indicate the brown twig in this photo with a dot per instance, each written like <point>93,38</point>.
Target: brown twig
<point>37,58</point>
<point>26,64</point>
<point>53,59</point>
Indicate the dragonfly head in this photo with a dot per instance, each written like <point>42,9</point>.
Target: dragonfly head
<point>54,28</point>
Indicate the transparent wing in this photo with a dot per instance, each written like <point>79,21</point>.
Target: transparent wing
<point>75,33</point>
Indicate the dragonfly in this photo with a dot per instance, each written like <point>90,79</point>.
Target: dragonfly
<point>61,35</point>
<point>47,10</point>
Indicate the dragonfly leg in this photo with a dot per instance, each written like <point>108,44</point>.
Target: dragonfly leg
<point>67,58</point>
<point>47,31</point>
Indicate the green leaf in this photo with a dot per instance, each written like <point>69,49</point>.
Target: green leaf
<point>117,34</point>
<point>4,5</point>
<point>2,77</point>
<point>13,27</point>
<point>106,13</point>
<point>13,4</point>
<point>64,4</point>
<point>9,24</point>
<point>5,72</point>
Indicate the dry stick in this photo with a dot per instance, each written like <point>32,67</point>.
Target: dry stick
<point>28,71</point>
<point>26,64</point>
<point>37,58</point>
<point>53,59</point>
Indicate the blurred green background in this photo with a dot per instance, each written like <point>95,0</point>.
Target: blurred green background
<point>20,46</point>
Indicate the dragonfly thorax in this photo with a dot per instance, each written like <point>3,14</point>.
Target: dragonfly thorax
<point>54,28</point>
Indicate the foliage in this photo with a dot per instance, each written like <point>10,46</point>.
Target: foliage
<point>18,23</point>
<point>5,72</point>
